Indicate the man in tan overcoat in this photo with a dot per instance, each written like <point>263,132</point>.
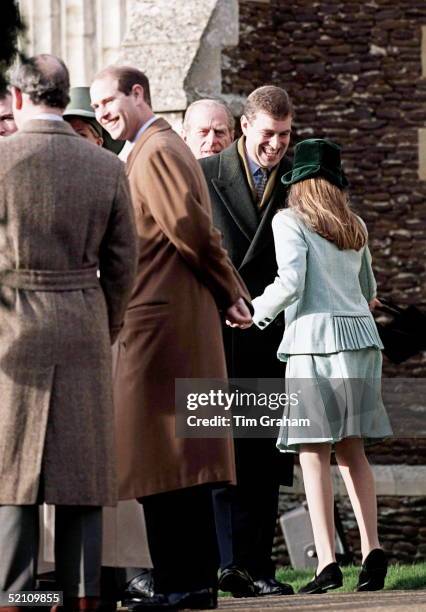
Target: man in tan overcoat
<point>172,330</point>
<point>65,216</point>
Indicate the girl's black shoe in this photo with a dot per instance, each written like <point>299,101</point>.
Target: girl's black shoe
<point>373,571</point>
<point>330,578</point>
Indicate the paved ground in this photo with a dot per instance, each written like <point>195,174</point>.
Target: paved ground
<point>389,601</point>
<point>383,601</point>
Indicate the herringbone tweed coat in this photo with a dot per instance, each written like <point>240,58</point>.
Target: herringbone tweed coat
<point>64,213</point>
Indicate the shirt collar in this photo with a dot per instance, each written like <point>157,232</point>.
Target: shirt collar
<point>129,144</point>
<point>253,166</point>
<point>48,117</point>
<point>142,129</point>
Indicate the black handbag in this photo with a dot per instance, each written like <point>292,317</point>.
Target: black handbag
<point>404,335</point>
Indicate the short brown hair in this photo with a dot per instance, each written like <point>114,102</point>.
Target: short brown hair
<point>127,76</point>
<point>269,99</point>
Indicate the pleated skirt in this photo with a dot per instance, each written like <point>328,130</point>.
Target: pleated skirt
<point>333,397</point>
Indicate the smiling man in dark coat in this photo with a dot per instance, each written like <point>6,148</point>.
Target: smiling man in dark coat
<point>246,191</point>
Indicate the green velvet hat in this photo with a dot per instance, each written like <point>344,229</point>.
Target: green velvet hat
<point>316,157</point>
<point>80,106</point>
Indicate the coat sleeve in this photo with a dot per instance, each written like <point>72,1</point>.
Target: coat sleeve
<point>366,276</point>
<point>291,250</point>
<point>118,255</point>
<point>174,198</point>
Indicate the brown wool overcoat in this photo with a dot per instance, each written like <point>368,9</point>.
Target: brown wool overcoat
<point>172,326</point>
<point>64,213</point>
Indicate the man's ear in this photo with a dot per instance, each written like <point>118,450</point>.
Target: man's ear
<point>244,123</point>
<point>16,98</point>
<point>138,92</point>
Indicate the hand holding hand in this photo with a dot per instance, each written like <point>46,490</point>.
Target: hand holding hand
<point>238,315</point>
<point>374,303</point>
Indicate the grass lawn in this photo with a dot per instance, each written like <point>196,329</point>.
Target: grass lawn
<point>400,577</point>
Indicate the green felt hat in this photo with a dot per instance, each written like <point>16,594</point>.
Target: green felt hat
<point>80,106</point>
<point>316,157</point>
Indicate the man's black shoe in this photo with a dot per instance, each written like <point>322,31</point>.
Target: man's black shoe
<point>270,586</point>
<point>204,599</point>
<point>237,581</point>
<point>141,585</point>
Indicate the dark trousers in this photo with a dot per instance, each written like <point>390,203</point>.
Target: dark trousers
<point>182,539</point>
<point>246,514</point>
<point>78,546</point>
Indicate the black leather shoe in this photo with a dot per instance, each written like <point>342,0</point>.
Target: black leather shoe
<point>237,581</point>
<point>270,586</point>
<point>204,599</point>
<point>330,578</point>
<point>141,585</point>
<point>373,571</point>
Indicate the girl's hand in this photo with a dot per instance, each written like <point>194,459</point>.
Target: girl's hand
<point>374,303</point>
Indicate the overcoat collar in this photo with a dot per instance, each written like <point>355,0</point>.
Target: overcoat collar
<point>234,191</point>
<point>45,126</point>
<point>159,125</point>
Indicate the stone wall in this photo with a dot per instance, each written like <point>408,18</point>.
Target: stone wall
<point>401,527</point>
<point>354,72</point>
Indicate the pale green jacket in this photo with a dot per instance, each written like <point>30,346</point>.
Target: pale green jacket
<point>324,291</point>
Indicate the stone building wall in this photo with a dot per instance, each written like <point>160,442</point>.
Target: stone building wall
<point>402,531</point>
<point>354,72</point>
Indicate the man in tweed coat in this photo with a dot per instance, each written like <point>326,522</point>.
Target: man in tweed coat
<point>65,214</point>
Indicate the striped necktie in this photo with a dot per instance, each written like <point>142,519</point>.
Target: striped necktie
<point>260,179</point>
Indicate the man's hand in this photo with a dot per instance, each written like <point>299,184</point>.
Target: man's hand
<point>374,302</point>
<point>238,315</point>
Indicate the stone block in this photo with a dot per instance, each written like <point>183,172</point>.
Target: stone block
<point>179,47</point>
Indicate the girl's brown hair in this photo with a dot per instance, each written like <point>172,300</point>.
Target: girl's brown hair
<point>324,208</point>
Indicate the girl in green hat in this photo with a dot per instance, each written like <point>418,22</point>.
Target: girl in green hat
<point>326,287</point>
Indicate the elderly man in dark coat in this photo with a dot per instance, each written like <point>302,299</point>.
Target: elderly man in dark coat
<point>65,215</point>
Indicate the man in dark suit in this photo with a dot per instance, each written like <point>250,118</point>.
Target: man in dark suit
<point>246,191</point>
